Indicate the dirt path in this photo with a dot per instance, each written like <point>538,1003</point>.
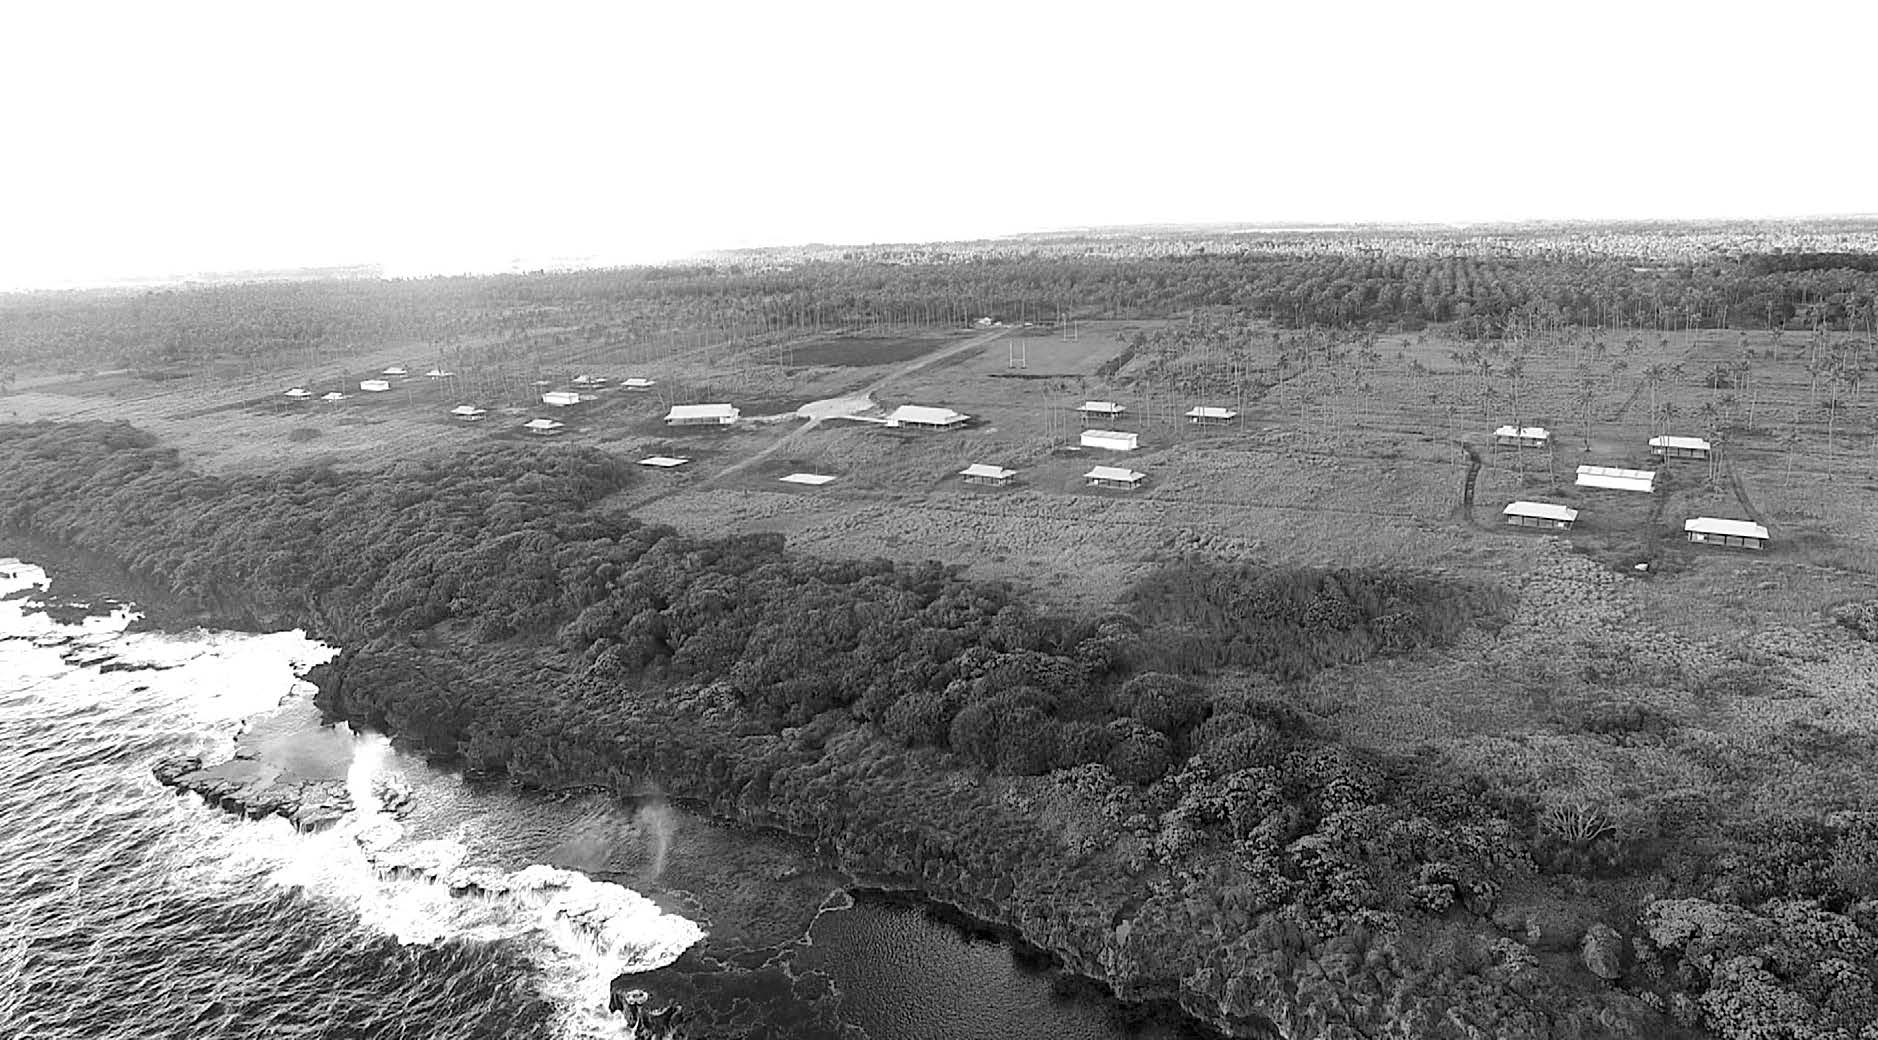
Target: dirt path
<point>815,416</point>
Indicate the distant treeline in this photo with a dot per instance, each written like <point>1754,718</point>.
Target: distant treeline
<point>626,307</point>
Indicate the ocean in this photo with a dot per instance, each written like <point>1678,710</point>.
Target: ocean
<point>129,910</point>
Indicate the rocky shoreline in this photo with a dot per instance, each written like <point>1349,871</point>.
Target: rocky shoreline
<point>254,789</point>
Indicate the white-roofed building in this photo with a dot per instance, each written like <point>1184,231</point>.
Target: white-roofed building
<point>438,373</point>
<point>586,380</point>
<point>395,370</point>
<point>469,412</point>
<point>810,479</point>
<point>374,386</point>
<point>702,415</point>
<point>1735,534</point>
<point>1540,514</point>
<point>1110,440</point>
<point>1114,476</point>
<point>333,396</point>
<point>1612,478</point>
<point>930,418</point>
<point>981,473</point>
<point>544,427</point>
<point>1206,415</point>
<point>1522,437</point>
<point>663,462</point>
<point>1092,410</point>
<point>639,383</point>
<point>300,393</point>
<point>1679,447</point>
<point>560,398</point>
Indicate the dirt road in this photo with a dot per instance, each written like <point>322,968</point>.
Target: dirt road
<point>859,400</point>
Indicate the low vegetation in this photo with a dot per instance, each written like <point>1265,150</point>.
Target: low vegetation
<point>1172,833</point>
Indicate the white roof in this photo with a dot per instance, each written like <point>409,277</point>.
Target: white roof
<point>395,370</point>
<point>1114,473</point>
<point>663,461</point>
<point>1617,479</point>
<point>543,424</point>
<point>376,386</point>
<point>980,469</point>
<point>1209,412</point>
<point>1109,438</point>
<point>1543,510</point>
<point>334,396</point>
<point>1695,443</point>
<point>1108,407</point>
<point>1716,525</point>
<point>918,413</point>
<point>466,409</point>
<point>637,383</point>
<point>702,411</point>
<point>1523,432</point>
<point>812,479</point>
<point>299,391</point>
<point>438,373</point>
<point>560,397</point>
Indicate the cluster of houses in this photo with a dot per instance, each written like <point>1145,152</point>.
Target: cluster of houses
<point>1701,530</point>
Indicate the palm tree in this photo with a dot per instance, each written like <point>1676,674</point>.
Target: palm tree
<point>1584,399</point>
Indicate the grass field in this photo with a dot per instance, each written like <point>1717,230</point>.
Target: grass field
<point>1334,461</point>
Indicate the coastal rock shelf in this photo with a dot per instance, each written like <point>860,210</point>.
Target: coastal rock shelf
<point>256,789</point>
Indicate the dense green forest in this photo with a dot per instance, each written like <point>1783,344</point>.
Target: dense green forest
<point>1350,282</point>
<point>1095,782</point>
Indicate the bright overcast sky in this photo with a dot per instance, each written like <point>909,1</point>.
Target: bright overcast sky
<point>169,137</point>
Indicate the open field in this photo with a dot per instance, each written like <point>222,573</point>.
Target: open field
<point>1344,454</point>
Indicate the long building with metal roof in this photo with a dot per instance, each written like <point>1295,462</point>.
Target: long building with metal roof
<point>1615,479</point>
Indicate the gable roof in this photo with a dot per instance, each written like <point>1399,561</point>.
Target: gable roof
<point>1717,525</point>
<point>1542,510</point>
<point>1114,473</point>
<point>1535,433</point>
<point>1210,412</point>
<point>1617,479</point>
<point>1689,443</point>
<point>980,469</point>
<point>917,413</point>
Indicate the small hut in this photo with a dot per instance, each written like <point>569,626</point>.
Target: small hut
<point>1206,415</point>
<point>1540,514</point>
<point>1092,410</point>
<point>926,418</point>
<point>1733,534</point>
<point>560,398</point>
<point>1680,448</point>
<point>544,427</point>
<point>639,383</point>
<point>468,413</point>
<point>299,393</point>
<point>1522,437</point>
<point>1612,478</point>
<point>1110,440</point>
<point>374,386</point>
<point>702,415</point>
<point>1114,477</point>
<point>981,473</point>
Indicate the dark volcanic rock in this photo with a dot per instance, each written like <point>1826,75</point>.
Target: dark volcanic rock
<point>255,789</point>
